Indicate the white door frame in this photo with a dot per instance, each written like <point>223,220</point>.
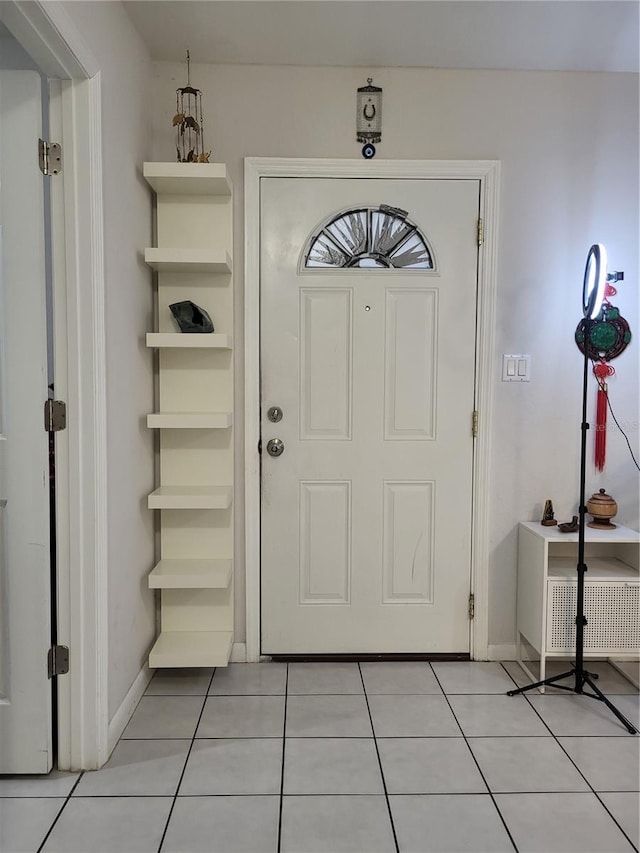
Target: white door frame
<point>487,172</point>
<point>50,37</point>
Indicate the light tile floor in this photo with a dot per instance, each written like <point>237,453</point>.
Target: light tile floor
<point>332,757</point>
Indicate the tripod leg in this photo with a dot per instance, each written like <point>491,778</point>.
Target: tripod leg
<point>600,695</point>
<point>545,681</point>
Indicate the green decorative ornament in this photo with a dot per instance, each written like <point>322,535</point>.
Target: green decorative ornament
<point>608,335</point>
<point>605,337</point>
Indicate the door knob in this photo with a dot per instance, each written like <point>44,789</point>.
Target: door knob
<point>275,447</point>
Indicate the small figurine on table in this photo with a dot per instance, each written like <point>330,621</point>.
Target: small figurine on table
<point>569,526</point>
<point>547,516</point>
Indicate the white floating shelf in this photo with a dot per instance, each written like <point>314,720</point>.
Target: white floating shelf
<point>190,420</point>
<point>187,178</point>
<point>191,648</point>
<point>189,341</point>
<point>188,260</point>
<point>190,497</point>
<point>191,574</point>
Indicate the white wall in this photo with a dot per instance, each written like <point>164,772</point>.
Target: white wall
<point>125,70</point>
<point>568,143</point>
<point>13,56</point>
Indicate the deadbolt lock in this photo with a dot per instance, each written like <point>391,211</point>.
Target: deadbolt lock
<point>274,414</point>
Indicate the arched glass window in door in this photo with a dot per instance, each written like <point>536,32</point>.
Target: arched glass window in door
<point>381,236</point>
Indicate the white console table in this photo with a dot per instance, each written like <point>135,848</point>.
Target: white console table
<point>547,590</point>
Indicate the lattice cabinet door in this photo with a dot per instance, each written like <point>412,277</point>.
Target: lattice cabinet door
<point>612,609</point>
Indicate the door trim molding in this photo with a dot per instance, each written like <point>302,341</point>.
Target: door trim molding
<point>82,505</point>
<point>50,37</point>
<point>487,172</point>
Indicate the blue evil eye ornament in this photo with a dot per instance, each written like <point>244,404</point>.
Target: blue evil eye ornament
<point>368,151</point>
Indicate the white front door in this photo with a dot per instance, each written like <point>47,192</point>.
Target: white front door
<point>25,582</point>
<point>368,313</point>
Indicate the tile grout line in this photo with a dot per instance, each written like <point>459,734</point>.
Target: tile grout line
<point>530,704</point>
<point>590,786</point>
<point>375,744</point>
<point>73,788</point>
<point>192,739</point>
<point>604,806</point>
<point>62,808</point>
<point>557,737</point>
<point>186,761</point>
<point>475,760</point>
<point>284,741</point>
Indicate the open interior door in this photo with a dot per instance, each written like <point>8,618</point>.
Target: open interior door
<point>25,581</point>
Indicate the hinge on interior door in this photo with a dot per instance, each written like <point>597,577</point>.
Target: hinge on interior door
<point>49,157</point>
<point>474,423</point>
<point>472,606</point>
<point>58,661</point>
<point>480,232</point>
<point>55,415</point>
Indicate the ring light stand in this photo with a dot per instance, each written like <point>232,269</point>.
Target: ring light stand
<point>595,279</point>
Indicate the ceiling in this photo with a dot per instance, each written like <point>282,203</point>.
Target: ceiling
<point>553,35</point>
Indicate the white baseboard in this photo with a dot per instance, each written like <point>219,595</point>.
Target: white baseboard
<point>503,652</point>
<point>238,653</point>
<point>123,714</point>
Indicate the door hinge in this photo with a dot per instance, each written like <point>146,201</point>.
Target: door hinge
<point>474,423</point>
<point>472,606</point>
<point>50,157</point>
<point>55,415</point>
<point>480,232</point>
<point>58,661</point>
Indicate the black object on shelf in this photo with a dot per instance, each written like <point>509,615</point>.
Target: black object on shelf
<point>191,318</point>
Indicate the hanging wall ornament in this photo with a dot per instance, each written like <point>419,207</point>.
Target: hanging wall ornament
<point>189,124</point>
<point>369,118</point>
<point>607,336</point>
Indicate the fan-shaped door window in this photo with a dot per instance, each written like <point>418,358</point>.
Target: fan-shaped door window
<point>372,237</point>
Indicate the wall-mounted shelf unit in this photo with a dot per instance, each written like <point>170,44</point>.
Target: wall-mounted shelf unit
<point>188,179</point>
<point>176,340</point>
<point>190,497</point>
<point>200,648</point>
<point>188,260</point>
<point>190,420</point>
<point>194,495</point>
<point>547,589</point>
<point>191,574</point>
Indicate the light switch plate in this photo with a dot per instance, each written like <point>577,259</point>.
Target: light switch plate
<point>516,368</point>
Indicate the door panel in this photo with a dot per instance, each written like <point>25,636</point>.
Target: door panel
<point>325,542</point>
<point>325,364</point>
<point>407,568</point>
<point>25,583</point>
<point>366,516</point>
<point>410,364</point>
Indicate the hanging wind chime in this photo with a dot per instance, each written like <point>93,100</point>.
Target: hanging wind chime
<point>606,337</point>
<point>189,124</point>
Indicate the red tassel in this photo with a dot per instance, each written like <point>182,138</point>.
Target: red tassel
<point>601,426</point>
<point>601,371</point>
